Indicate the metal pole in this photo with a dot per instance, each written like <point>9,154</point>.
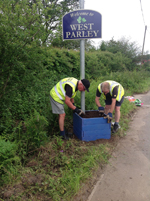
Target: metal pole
<point>144,39</point>
<point>143,45</point>
<point>82,62</point>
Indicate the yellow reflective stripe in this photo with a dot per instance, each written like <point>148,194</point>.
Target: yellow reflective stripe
<point>58,93</point>
<point>119,88</point>
<point>70,83</point>
<point>112,84</point>
<point>119,93</point>
<point>61,87</point>
<point>101,88</point>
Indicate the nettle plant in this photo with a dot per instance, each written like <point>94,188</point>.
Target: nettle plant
<point>8,158</point>
<point>31,133</point>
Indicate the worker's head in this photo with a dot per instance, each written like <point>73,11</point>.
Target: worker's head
<point>83,85</point>
<point>105,87</point>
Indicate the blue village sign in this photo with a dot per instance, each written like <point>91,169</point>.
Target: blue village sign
<point>82,24</point>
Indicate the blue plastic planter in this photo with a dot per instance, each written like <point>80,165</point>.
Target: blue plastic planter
<point>90,129</point>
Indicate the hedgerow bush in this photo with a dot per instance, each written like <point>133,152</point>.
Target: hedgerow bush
<point>36,71</point>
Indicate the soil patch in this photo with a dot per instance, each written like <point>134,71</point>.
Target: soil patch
<point>92,114</point>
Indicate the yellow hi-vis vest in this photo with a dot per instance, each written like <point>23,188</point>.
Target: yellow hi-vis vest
<point>58,91</point>
<point>112,85</point>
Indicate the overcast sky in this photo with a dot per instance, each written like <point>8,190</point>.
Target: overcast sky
<point>123,18</point>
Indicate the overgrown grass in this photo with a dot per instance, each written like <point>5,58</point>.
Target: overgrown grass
<point>56,171</point>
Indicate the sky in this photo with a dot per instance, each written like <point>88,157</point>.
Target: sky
<point>123,18</point>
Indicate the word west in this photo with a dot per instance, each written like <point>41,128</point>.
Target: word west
<point>82,30</point>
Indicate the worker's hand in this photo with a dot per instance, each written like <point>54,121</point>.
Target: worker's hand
<point>105,116</point>
<point>101,110</point>
<point>78,111</point>
<point>108,116</point>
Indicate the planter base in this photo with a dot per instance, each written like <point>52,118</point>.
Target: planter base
<point>90,129</point>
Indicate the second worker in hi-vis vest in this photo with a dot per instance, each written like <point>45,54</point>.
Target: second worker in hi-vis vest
<point>113,94</point>
<point>63,93</point>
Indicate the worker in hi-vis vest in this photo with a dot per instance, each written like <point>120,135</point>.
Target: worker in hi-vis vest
<point>113,94</point>
<point>64,92</point>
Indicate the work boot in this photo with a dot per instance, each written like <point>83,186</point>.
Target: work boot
<point>69,135</point>
<point>63,135</point>
<point>115,128</point>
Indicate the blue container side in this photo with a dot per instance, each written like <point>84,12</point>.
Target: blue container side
<point>91,121</point>
<point>77,120</point>
<point>78,132</point>
<point>90,129</point>
<point>97,126</point>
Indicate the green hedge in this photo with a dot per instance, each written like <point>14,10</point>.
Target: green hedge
<point>37,70</point>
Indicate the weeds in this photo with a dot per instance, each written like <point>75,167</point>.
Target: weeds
<point>30,134</point>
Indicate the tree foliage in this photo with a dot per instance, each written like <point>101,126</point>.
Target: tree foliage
<point>33,20</point>
<point>25,25</point>
<point>129,49</point>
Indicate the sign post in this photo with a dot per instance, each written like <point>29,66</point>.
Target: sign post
<point>82,63</point>
<point>80,25</point>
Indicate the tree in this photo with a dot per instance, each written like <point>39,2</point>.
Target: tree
<point>24,26</point>
<point>34,20</point>
<point>127,48</point>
